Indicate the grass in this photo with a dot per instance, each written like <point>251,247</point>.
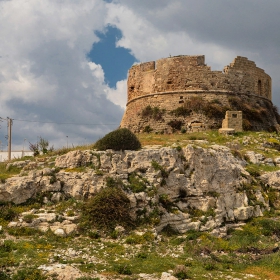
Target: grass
<point>7,173</point>
<point>195,254</point>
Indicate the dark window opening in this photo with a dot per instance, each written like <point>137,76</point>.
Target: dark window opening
<point>259,87</point>
<point>181,101</point>
<point>234,115</point>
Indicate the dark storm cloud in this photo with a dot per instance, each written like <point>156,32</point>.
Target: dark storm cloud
<point>252,24</point>
<point>220,29</point>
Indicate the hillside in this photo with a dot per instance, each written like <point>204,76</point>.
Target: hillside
<point>185,206</point>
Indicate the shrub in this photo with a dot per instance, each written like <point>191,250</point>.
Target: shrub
<point>23,231</point>
<point>195,104</point>
<point>168,230</point>
<point>147,129</point>
<point>181,272</point>
<point>215,111</point>
<point>123,269</point>
<point>152,112</point>
<point>7,212</point>
<point>29,218</point>
<point>107,209</point>
<point>7,247</point>
<point>120,139</point>
<point>246,125</point>
<point>29,274</point>
<point>157,167</point>
<point>94,234</point>
<point>175,124</point>
<point>181,112</point>
<point>136,184</point>
<point>4,276</point>
<point>276,113</point>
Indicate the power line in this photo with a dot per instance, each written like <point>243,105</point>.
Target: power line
<point>67,122</point>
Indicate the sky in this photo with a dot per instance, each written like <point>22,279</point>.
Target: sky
<point>64,64</point>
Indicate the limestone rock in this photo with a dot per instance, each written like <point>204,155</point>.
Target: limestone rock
<point>62,272</point>
<point>254,157</point>
<point>272,179</point>
<point>207,180</point>
<point>73,159</point>
<point>167,276</point>
<point>18,189</point>
<point>58,231</point>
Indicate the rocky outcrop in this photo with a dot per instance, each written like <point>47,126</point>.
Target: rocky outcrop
<point>192,187</point>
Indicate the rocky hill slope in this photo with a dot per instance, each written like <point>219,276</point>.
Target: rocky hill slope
<point>191,188</point>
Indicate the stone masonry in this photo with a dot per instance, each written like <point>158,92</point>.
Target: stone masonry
<point>233,119</point>
<point>171,82</point>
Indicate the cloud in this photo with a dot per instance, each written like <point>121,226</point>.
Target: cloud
<point>50,89</point>
<point>45,78</point>
<point>219,29</point>
<point>118,95</point>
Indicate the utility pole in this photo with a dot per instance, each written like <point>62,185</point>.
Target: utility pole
<point>10,122</point>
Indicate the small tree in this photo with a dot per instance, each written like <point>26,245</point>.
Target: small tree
<point>42,145</point>
<point>34,148</point>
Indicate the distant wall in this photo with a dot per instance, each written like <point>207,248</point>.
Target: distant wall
<point>14,155</point>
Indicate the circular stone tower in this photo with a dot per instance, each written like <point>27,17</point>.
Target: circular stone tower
<point>182,93</point>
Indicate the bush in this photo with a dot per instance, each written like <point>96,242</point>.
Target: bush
<point>276,113</point>
<point>7,212</point>
<point>107,209</point>
<point>181,272</point>
<point>175,124</point>
<point>181,112</point>
<point>152,112</point>
<point>136,184</point>
<point>123,269</point>
<point>120,139</point>
<point>23,231</point>
<point>215,111</point>
<point>147,129</point>
<point>195,104</point>
<point>29,274</point>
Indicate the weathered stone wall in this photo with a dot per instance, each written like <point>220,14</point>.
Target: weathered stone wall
<point>233,119</point>
<point>170,101</point>
<point>170,82</point>
<point>182,73</point>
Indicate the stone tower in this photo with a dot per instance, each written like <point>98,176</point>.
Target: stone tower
<point>182,92</point>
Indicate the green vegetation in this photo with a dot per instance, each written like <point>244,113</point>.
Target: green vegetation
<point>6,173</point>
<point>152,112</point>
<point>249,249</point>
<point>136,184</point>
<point>181,112</point>
<point>175,124</point>
<point>107,209</point>
<point>120,139</point>
<point>41,146</point>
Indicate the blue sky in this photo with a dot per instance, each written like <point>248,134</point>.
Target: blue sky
<point>63,64</point>
<point>115,61</point>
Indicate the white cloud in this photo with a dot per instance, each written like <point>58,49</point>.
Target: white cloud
<point>44,72</point>
<point>45,75</point>
<point>118,95</point>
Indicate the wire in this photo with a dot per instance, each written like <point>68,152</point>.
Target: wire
<point>67,122</point>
